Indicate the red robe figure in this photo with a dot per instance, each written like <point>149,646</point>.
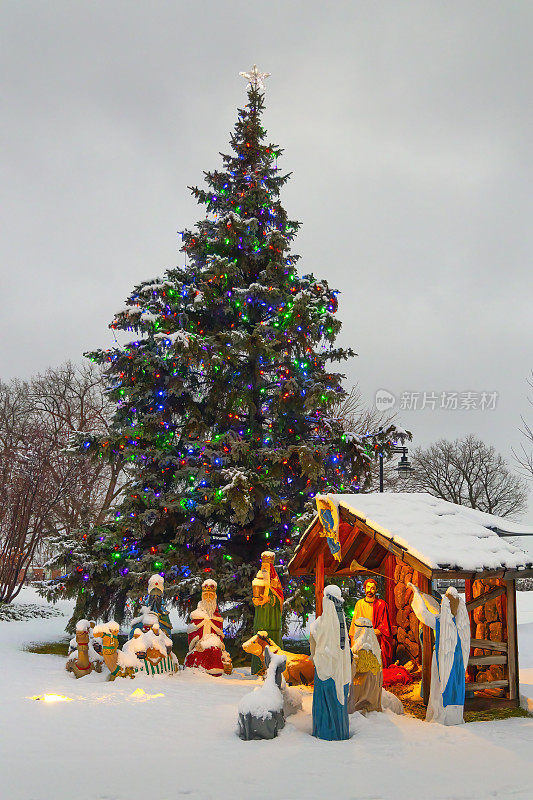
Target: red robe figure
<point>374,609</point>
<point>205,634</point>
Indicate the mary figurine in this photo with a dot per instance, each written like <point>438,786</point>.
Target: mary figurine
<point>330,651</point>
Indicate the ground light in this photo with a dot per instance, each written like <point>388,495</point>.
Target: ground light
<point>51,698</point>
<point>140,694</point>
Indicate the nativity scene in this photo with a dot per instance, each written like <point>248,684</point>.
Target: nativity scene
<point>448,651</point>
<point>454,652</point>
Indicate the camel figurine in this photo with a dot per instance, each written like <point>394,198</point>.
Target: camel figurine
<point>84,659</point>
<point>299,668</point>
<point>112,656</point>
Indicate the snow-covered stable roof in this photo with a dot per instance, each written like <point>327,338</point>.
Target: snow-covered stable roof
<point>442,535</point>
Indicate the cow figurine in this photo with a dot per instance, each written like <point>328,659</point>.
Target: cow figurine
<point>299,669</point>
<point>261,711</point>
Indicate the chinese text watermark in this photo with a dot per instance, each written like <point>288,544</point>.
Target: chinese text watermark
<point>433,401</point>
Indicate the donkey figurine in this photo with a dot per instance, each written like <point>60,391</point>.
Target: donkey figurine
<point>300,668</point>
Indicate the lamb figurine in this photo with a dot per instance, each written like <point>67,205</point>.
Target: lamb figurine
<point>261,711</point>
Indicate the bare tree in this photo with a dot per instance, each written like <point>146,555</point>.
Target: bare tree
<point>470,473</point>
<point>69,400</point>
<point>29,489</point>
<point>356,417</point>
<point>524,456</point>
<point>47,491</point>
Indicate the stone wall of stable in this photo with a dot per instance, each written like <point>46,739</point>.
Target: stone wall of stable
<point>403,618</point>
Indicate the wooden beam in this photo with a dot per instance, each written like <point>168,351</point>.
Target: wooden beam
<point>486,598</point>
<point>389,566</point>
<point>486,644</point>
<point>476,661</point>
<point>307,561</point>
<point>313,547</point>
<point>480,687</point>
<point>391,546</point>
<point>345,573</point>
<point>472,672</point>
<point>512,640</point>
<point>427,645</point>
<point>375,558</point>
<point>427,656</point>
<point>330,563</point>
<point>452,574</point>
<point>489,573</point>
<point>349,551</point>
<point>369,546</point>
<point>312,528</point>
<point>319,583</point>
<point>348,546</point>
<point>346,515</point>
<point>302,548</point>
<point>388,544</point>
<point>512,574</point>
<point>362,542</point>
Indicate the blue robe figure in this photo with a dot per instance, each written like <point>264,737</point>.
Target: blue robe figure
<point>450,656</point>
<point>154,606</point>
<point>330,650</point>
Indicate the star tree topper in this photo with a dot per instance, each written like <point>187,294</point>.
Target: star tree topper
<point>256,79</point>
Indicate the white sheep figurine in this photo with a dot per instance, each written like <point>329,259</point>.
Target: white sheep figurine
<point>261,713</point>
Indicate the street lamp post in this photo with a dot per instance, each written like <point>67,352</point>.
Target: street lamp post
<point>404,467</point>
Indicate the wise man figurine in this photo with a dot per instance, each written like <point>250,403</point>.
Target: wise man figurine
<point>156,602</point>
<point>205,634</point>
<point>154,609</point>
<point>330,651</point>
<point>450,656</point>
<point>267,595</point>
<point>373,608</point>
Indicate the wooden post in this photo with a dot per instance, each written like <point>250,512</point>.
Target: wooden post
<point>512,641</point>
<point>319,583</point>
<point>390,566</point>
<point>472,671</point>
<point>427,644</point>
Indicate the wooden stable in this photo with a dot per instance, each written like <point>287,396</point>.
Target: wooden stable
<point>490,593</point>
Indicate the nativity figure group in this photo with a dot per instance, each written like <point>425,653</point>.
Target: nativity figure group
<point>348,662</point>
<point>349,667</point>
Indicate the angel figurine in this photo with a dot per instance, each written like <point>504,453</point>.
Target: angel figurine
<point>450,656</point>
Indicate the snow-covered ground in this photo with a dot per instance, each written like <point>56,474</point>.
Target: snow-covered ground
<point>107,745</point>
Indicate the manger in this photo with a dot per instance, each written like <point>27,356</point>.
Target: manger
<point>419,539</point>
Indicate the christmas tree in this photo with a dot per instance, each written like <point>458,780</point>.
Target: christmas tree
<point>221,400</point>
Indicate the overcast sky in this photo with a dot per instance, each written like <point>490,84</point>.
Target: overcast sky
<point>406,125</point>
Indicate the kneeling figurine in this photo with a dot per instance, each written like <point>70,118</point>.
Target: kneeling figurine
<point>367,671</point>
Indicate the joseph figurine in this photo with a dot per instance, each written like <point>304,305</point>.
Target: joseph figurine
<point>267,593</point>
